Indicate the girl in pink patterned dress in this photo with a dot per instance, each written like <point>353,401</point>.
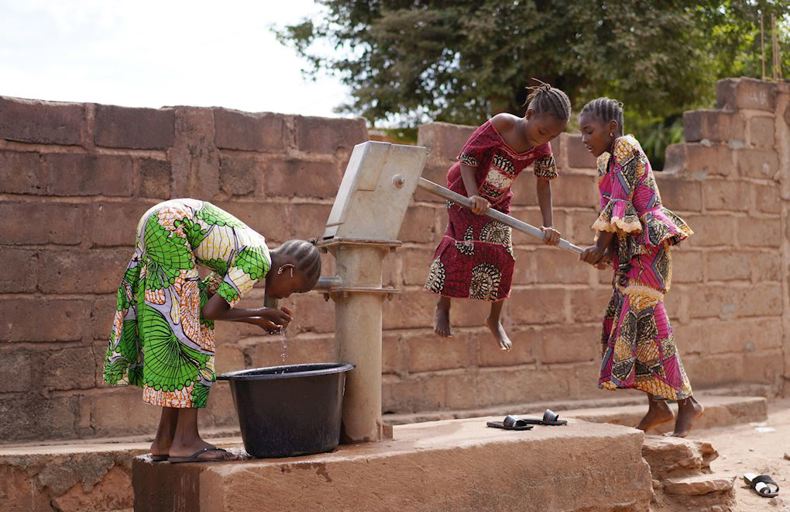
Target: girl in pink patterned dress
<point>635,232</point>
<point>475,257</point>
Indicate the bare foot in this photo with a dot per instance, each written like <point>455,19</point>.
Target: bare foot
<point>441,323</point>
<point>499,333</point>
<point>657,413</point>
<point>688,410</point>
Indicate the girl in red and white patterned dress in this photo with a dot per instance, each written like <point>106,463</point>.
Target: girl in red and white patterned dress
<point>475,256</point>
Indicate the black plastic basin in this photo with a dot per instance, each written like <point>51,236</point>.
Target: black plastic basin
<point>289,410</point>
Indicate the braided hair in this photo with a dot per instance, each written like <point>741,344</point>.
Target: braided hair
<point>545,98</point>
<point>606,109</point>
<point>306,258</point>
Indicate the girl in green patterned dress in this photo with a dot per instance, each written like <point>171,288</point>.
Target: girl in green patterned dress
<point>162,337</point>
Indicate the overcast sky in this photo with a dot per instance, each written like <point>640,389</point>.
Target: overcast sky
<point>155,53</point>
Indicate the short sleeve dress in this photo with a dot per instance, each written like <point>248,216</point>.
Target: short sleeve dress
<point>158,339</point>
<point>639,348</point>
<point>474,258</point>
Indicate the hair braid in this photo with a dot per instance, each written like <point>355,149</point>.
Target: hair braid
<point>606,109</point>
<point>545,98</point>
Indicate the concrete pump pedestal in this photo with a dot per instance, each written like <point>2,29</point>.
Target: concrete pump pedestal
<point>456,465</point>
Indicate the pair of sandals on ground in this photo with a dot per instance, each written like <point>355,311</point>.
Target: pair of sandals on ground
<point>550,418</point>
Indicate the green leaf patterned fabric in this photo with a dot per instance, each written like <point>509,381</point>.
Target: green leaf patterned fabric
<point>159,340</point>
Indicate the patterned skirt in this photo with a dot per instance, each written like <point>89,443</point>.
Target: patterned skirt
<point>158,339</point>
<point>474,259</point>
<point>639,350</point>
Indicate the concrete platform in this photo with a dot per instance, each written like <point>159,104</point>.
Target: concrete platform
<point>457,465</point>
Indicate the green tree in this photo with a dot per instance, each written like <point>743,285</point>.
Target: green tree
<point>460,61</point>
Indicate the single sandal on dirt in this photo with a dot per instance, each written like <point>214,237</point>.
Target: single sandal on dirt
<point>510,423</point>
<point>550,418</point>
<point>196,457</point>
<point>763,485</point>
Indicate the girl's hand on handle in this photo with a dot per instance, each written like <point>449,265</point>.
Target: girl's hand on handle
<point>592,255</point>
<point>550,235</point>
<point>479,205</point>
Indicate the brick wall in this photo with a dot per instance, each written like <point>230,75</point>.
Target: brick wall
<point>74,178</point>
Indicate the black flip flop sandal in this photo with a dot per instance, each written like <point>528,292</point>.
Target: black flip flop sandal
<point>550,418</point>
<point>763,485</point>
<point>510,423</point>
<point>195,457</point>
<point>157,458</point>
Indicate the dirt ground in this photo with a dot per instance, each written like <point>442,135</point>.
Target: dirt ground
<point>744,449</point>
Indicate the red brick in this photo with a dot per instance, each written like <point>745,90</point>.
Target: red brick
<point>764,367</point>
<point>575,189</point>
<point>680,194</point>
<point>41,122</point>
<point>712,230</point>
<point>419,224</point>
<point>745,93</point>
<point>115,224</point>
<point>240,176</point>
<point>309,220</point>
<point>135,128</point>
<point>329,135</point>
<point>579,226</point>
<point>699,160</point>
<point>524,190</point>
<point>22,173</point>
<point>72,174</point>
<point>766,266</point>
<point>121,411</point>
<point>524,271</point>
<point>757,163</point>
<point>28,417</point>
<point>155,178</point>
<point>727,195</point>
<point>687,266</point>
<point>444,140</point>
<point>519,385</point>
<point>415,263</point>
<point>101,316</point>
<point>461,390</point>
<point>301,178</point>
<point>553,265</point>
<point>41,223</point>
<point>81,271</point>
<point>20,270</point>
<point>763,299</point>
<point>767,198</point>
<point>248,131</point>
<point>569,344</point>
<point>276,350</point>
<point>740,336</point>
<point>537,306</point>
<point>432,352</point>
<point>311,313</point>
<point>194,157</point>
<point>437,173</point>
<point>393,354</point>
<point>50,319</point>
<point>19,370</point>
<point>728,265</point>
<point>761,131</point>
<point>421,393</point>
<point>526,344</point>
<point>465,312</point>
<point>713,125</point>
<point>272,220</point>
<point>67,368</point>
<point>533,216</point>
<point>759,232</point>
<point>708,371</point>
<point>577,155</point>
<point>410,309</point>
<point>589,304</point>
